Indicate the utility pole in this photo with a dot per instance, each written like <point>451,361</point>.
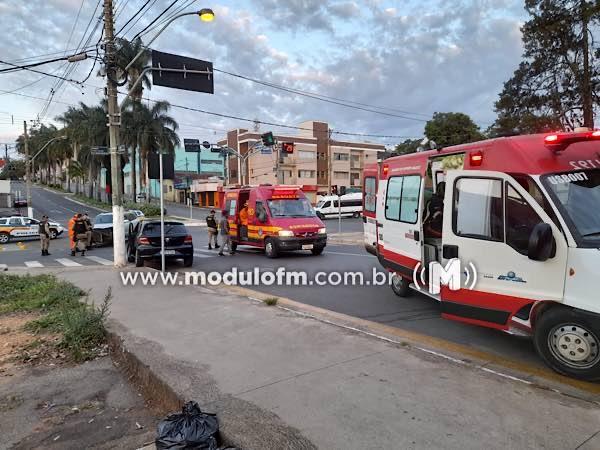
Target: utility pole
<point>329,165</point>
<point>27,170</point>
<point>114,122</point>
<point>588,109</point>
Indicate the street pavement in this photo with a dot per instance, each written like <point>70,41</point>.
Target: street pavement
<point>417,313</point>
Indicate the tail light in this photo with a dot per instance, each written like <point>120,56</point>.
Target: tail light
<point>476,158</point>
<point>143,241</point>
<point>188,239</point>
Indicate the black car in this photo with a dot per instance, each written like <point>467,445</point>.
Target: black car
<point>144,242</point>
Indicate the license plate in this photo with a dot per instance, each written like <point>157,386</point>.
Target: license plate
<point>169,252</point>
<point>307,247</point>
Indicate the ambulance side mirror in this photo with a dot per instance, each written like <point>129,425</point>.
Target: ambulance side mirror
<point>542,245</point>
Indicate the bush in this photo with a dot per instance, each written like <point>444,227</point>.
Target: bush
<point>148,209</point>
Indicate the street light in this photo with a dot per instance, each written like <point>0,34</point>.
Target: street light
<point>206,15</point>
<point>29,163</point>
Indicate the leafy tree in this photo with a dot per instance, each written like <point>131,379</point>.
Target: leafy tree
<point>13,169</point>
<point>407,146</point>
<point>452,129</point>
<point>556,84</point>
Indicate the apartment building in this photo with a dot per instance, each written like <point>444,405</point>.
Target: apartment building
<point>320,159</point>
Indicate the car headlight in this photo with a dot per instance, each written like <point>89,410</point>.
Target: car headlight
<point>286,233</point>
<point>322,230</point>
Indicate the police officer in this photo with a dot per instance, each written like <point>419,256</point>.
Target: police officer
<point>44,230</point>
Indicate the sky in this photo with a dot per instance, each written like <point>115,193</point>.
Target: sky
<point>405,58</point>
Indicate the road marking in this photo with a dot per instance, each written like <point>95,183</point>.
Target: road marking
<point>33,264</point>
<point>211,252</point>
<point>67,262</point>
<point>201,255</point>
<point>104,262</point>
<point>347,254</point>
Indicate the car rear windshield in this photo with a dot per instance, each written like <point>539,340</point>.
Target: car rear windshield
<point>104,218</point>
<point>153,228</point>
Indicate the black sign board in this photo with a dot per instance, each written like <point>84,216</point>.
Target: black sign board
<point>191,145</point>
<point>168,166</point>
<point>180,78</point>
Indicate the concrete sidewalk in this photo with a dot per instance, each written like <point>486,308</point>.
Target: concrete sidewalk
<point>278,379</point>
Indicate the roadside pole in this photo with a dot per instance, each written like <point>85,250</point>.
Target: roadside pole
<point>27,170</point>
<point>162,212</point>
<point>114,122</point>
<point>339,213</point>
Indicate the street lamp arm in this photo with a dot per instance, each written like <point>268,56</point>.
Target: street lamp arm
<point>44,147</point>
<point>155,36</point>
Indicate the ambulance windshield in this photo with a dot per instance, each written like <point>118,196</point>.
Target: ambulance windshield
<point>578,197</point>
<point>291,207</point>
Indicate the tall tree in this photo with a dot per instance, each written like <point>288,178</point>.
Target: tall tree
<point>452,129</point>
<point>126,51</point>
<point>407,146</point>
<point>556,84</point>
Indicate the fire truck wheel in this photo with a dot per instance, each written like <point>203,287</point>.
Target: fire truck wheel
<point>400,286</point>
<point>4,238</point>
<point>270,249</point>
<point>568,341</point>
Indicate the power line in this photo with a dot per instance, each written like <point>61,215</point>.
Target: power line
<point>134,16</point>
<point>43,73</point>
<point>155,20</point>
<point>169,17</point>
<point>74,25</point>
<point>16,67</point>
<point>136,20</point>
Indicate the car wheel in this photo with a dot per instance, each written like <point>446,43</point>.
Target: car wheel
<point>188,261</point>
<point>53,233</point>
<point>569,342</point>
<point>139,262</point>
<point>356,214</point>
<point>270,249</point>
<point>400,285</point>
<point>317,250</point>
<point>4,238</point>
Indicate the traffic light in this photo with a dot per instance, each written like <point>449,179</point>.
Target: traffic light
<point>287,148</point>
<point>268,139</point>
<point>334,189</point>
<point>342,190</point>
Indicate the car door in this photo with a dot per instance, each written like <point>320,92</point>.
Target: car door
<point>18,227</point>
<point>398,222</point>
<point>488,218</point>
<point>33,228</point>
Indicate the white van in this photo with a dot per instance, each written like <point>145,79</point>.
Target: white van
<point>351,205</point>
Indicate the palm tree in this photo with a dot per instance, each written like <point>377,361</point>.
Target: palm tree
<point>155,130</point>
<point>126,51</point>
<point>76,172</point>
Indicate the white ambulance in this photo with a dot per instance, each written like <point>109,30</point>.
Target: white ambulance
<point>521,215</point>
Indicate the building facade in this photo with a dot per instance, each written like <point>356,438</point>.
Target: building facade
<point>319,160</point>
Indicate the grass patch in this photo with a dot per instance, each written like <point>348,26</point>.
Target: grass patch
<point>91,201</point>
<point>81,325</point>
<point>270,301</point>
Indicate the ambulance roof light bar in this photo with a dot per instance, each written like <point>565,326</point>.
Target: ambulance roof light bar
<point>558,142</point>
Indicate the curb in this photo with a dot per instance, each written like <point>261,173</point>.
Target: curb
<point>514,370</point>
<point>86,205</point>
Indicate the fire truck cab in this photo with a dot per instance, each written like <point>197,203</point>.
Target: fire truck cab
<point>279,218</point>
<point>521,216</point>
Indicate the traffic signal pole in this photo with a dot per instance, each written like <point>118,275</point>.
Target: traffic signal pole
<point>114,123</point>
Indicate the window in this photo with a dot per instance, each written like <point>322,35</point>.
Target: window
<point>261,212</point>
<point>478,210</point>
<point>306,154</point>
<point>341,156</point>
<point>230,206</point>
<point>3,221</point>
<point>351,203</point>
<point>15,222</point>
<point>340,175</point>
<point>519,221</point>
<point>306,173</point>
<point>370,194</point>
<point>402,199</point>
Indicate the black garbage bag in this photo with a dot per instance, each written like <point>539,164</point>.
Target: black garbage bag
<point>189,429</point>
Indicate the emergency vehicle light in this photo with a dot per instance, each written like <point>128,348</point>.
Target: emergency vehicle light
<point>476,158</point>
<point>558,142</point>
<point>386,169</point>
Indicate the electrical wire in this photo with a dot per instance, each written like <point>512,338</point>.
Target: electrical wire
<point>133,17</point>
<point>155,20</point>
<point>16,68</point>
<point>74,26</point>
<point>136,20</point>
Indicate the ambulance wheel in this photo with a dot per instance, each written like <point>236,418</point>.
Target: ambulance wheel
<point>233,246</point>
<point>356,214</point>
<point>4,238</point>
<point>568,341</point>
<point>53,234</point>
<point>400,285</point>
<point>270,249</point>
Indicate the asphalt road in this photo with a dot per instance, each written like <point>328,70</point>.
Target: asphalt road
<point>417,312</point>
